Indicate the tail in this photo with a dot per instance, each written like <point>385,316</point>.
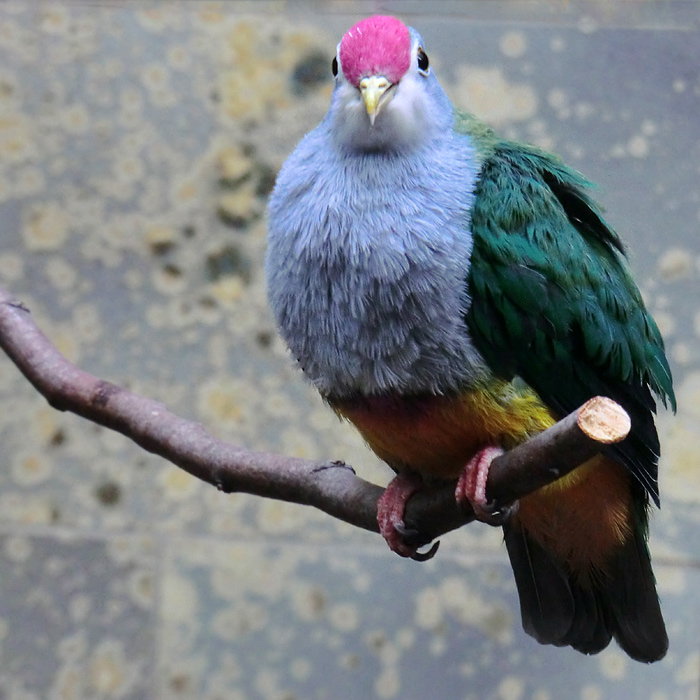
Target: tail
<point>561,608</point>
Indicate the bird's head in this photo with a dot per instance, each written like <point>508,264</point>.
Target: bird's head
<point>385,96</point>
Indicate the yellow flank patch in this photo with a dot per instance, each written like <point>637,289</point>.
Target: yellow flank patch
<point>437,435</point>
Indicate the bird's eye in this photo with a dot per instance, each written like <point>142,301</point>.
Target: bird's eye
<point>334,66</point>
<point>423,61</point>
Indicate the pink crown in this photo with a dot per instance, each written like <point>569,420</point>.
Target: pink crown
<point>376,46</point>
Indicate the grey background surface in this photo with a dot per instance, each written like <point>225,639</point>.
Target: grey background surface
<point>138,142</point>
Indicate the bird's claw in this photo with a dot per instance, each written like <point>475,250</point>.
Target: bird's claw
<point>426,556</point>
<point>493,513</point>
<point>471,489</point>
<point>413,539</point>
<point>409,535</point>
<point>390,510</point>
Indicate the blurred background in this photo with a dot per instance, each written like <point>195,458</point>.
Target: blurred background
<point>138,145</point>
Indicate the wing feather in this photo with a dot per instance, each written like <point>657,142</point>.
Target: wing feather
<point>552,300</point>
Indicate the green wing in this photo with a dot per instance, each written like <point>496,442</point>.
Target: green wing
<point>552,300</point>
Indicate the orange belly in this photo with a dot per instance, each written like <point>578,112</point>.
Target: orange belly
<point>437,435</point>
<point>579,518</point>
<point>583,516</point>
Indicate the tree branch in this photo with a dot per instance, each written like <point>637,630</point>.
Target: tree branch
<point>331,487</point>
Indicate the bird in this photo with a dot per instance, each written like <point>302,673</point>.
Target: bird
<point>452,293</point>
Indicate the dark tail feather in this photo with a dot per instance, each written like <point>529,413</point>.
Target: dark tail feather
<point>589,632</point>
<point>633,605</point>
<point>558,608</point>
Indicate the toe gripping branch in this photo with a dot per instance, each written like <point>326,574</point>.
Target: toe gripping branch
<point>471,489</point>
<point>390,518</point>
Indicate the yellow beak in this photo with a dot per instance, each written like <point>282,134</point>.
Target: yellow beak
<point>372,90</point>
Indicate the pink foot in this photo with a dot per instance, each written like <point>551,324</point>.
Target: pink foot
<point>471,487</point>
<point>390,511</point>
